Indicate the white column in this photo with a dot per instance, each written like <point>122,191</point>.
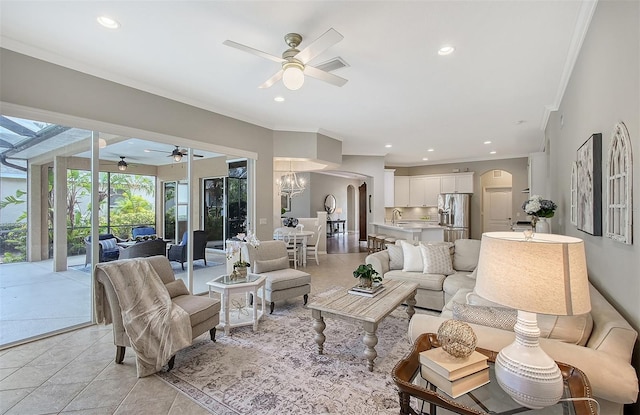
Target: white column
<point>60,214</point>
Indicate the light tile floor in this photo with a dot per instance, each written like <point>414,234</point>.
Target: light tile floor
<point>75,373</point>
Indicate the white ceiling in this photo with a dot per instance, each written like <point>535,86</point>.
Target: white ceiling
<point>510,67</point>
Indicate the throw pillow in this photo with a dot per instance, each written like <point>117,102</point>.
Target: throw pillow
<point>271,265</point>
<point>412,257</point>
<point>109,244</point>
<point>396,260</point>
<point>436,260</point>
<point>499,317</point>
<point>176,288</point>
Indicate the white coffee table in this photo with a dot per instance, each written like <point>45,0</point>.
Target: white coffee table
<point>226,287</point>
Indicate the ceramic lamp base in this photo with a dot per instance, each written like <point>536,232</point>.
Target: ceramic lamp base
<point>524,371</point>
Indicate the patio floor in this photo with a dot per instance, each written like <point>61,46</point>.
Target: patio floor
<point>34,300</point>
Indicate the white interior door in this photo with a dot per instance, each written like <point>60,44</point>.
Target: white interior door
<point>497,209</point>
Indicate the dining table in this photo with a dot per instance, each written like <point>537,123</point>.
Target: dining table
<point>286,233</point>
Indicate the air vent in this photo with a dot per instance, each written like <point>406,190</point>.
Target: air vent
<point>332,65</point>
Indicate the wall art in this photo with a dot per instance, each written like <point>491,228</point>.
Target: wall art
<point>589,203</point>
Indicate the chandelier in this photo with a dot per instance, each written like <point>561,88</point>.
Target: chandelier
<point>290,185</point>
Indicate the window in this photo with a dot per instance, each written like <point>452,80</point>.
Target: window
<point>619,185</point>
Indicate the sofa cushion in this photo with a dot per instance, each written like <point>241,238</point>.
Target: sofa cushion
<point>200,308</point>
<point>270,265</point>
<point>412,257</point>
<point>283,279</point>
<point>499,317</point>
<point>396,258</point>
<point>466,254</point>
<point>458,281</point>
<point>569,329</point>
<point>177,288</point>
<point>431,282</point>
<point>436,260</point>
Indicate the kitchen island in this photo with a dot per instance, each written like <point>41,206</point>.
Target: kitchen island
<point>411,230</point>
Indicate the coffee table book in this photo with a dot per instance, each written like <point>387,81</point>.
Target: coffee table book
<point>456,387</point>
<point>450,367</point>
<point>366,292</point>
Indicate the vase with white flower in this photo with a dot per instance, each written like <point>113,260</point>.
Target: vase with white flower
<point>539,209</point>
<point>234,246</point>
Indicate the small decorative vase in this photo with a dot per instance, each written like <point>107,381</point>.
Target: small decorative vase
<point>543,226</point>
<point>366,282</point>
<point>242,271</point>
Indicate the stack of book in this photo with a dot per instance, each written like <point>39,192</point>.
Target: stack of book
<point>454,376</point>
<point>367,292</point>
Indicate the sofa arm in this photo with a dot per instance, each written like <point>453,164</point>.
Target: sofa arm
<point>379,261</point>
<point>611,377</point>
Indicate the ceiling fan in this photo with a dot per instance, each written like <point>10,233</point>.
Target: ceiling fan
<point>177,153</point>
<point>295,62</point>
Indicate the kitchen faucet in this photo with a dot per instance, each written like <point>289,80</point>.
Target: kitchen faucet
<point>393,215</point>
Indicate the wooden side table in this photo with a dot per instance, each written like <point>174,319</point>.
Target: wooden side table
<point>487,399</point>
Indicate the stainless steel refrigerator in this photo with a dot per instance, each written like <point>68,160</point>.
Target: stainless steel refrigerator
<point>454,210</point>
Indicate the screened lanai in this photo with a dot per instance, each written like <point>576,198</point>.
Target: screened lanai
<point>47,220</point>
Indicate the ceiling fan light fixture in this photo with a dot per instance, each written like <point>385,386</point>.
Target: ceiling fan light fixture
<point>122,165</point>
<point>293,75</point>
<point>176,154</point>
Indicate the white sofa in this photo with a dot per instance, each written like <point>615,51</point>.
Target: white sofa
<point>600,343</point>
<point>434,290</point>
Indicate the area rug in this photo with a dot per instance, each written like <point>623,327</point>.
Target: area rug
<point>277,370</point>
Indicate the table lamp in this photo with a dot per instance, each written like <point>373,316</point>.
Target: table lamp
<point>338,212</point>
<point>543,273</point>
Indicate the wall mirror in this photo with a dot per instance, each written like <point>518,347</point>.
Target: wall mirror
<point>330,204</point>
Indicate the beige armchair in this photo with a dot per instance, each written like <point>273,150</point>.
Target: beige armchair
<point>271,259</point>
<point>203,312</point>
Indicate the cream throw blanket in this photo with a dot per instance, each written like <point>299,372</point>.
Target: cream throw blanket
<point>157,327</point>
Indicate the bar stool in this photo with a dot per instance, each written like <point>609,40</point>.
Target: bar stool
<point>378,243</point>
<point>371,242</point>
<point>389,240</point>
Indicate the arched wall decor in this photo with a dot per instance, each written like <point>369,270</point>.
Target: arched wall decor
<point>620,186</point>
<point>574,193</point>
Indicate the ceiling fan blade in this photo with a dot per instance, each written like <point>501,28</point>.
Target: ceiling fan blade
<point>324,76</point>
<point>275,78</point>
<point>252,51</point>
<point>324,42</point>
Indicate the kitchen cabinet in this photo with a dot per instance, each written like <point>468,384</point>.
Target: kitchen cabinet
<point>401,191</point>
<point>457,183</point>
<point>389,188</point>
<point>424,190</point>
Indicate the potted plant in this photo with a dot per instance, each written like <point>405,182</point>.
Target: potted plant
<point>235,247</point>
<point>367,275</point>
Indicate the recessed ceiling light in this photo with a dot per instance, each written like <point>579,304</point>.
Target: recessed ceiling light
<point>388,146</point>
<point>425,158</point>
<point>279,99</point>
<point>492,152</point>
<point>487,142</point>
<point>430,149</point>
<point>146,150</point>
<point>108,22</point>
<point>446,50</point>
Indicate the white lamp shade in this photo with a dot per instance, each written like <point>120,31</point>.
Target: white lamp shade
<point>293,77</point>
<point>546,274</point>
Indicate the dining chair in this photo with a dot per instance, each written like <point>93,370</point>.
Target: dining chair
<point>293,244</point>
<point>313,243</point>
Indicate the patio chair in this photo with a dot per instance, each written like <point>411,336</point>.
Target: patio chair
<point>142,231</point>
<point>109,250</point>
<point>179,252</point>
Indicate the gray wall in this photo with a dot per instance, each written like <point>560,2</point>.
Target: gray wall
<point>604,88</point>
<point>516,166</point>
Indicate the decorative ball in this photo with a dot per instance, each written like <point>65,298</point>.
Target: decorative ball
<point>457,338</point>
